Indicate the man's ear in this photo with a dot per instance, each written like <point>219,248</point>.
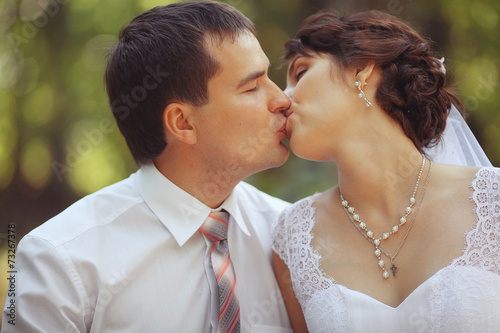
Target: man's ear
<point>177,120</point>
<point>365,74</point>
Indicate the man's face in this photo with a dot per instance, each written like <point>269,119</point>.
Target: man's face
<point>241,128</point>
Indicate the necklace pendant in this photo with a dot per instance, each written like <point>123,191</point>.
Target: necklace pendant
<point>393,269</point>
<point>385,274</point>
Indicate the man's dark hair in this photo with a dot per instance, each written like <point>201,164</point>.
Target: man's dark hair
<point>161,57</point>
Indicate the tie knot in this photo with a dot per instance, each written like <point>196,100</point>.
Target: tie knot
<point>215,226</point>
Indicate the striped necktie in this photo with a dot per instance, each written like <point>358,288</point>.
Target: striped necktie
<point>215,229</point>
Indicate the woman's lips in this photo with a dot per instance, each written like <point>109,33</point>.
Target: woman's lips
<point>283,129</point>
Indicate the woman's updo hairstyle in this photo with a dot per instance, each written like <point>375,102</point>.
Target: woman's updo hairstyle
<point>411,89</point>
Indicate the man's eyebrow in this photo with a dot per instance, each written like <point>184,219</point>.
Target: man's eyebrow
<point>250,77</point>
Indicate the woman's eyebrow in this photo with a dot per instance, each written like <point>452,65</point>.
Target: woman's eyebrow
<point>292,64</point>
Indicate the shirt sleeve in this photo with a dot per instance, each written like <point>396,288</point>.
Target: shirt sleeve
<point>45,293</point>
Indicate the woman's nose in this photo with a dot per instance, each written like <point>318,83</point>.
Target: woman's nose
<point>289,92</point>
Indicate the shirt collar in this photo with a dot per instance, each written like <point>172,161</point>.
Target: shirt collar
<point>233,208</point>
<point>181,213</point>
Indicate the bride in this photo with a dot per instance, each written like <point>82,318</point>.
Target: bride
<point>403,243</point>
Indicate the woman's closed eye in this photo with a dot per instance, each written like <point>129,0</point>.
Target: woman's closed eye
<point>300,73</point>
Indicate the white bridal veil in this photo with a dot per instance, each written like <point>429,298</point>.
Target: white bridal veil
<point>458,144</point>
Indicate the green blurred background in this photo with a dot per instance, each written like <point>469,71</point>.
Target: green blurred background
<point>56,144</point>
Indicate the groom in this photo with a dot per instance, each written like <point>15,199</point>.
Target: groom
<point>188,86</point>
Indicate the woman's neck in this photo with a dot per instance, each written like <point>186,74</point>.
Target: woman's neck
<point>380,182</point>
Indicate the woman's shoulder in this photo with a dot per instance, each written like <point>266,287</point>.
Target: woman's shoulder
<point>486,183</point>
<point>298,212</point>
<point>490,174</point>
<point>486,186</point>
<point>299,207</point>
<point>294,221</point>
<point>447,174</point>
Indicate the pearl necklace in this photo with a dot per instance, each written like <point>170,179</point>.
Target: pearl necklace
<point>394,267</point>
<point>362,227</point>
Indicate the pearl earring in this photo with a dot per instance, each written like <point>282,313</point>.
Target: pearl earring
<point>362,93</point>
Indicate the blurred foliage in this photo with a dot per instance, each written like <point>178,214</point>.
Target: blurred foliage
<point>58,141</point>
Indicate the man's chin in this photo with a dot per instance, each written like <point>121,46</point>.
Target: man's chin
<point>283,155</point>
<point>277,159</point>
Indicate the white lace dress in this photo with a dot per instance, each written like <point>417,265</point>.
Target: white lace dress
<point>461,297</point>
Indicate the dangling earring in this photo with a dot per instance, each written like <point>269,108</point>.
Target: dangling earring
<point>362,93</point>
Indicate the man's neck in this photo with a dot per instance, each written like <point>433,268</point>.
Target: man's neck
<point>210,187</point>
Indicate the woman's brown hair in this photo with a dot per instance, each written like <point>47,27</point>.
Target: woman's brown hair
<point>412,88</point>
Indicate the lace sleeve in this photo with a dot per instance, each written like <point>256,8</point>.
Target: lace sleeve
<point>483,241</point>
<point>279,232</point>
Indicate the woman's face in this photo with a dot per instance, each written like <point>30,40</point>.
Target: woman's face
<point>320,112</point>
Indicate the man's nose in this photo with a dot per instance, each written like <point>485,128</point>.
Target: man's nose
<point>280,103</point>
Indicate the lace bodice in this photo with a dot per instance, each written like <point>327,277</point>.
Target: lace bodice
<point>461,297</point>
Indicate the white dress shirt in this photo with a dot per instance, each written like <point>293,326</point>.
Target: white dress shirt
<point>130,258</point>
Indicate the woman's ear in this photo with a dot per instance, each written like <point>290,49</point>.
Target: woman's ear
<point>363,75</point>
<point>177,121</point>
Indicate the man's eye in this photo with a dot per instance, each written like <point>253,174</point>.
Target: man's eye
<point>252,90</point>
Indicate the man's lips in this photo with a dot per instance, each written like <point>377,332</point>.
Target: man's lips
<point>283,129</point>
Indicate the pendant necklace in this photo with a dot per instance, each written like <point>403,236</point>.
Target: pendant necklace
<point>368,234</point>
<point>394,267</point>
